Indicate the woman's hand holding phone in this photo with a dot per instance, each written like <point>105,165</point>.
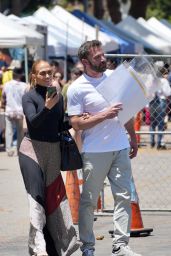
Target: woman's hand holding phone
<point>51,90</point>
<point>52,97</point>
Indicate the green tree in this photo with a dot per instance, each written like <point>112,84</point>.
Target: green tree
<point>18,6</point>
<point>114,10</point>
<point>137,9</point>
<point>160,9</point>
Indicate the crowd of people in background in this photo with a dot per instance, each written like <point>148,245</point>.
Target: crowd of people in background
<point>156,115</point>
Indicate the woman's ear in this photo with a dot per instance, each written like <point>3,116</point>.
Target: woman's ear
<point>33,80</point>
<point>84,62</point>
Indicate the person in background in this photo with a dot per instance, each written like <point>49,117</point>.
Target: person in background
<point>2,116</point>
<point>106,150</point>
<point>55,66</point>
<point>73,175</point>
<point>51,229</point>
<point>5,58</point>
<point>12,103</point>
<point>75,73</point>
<point>169,98</point>
<point>1,86</point>
<point>58,80</point>
<point>158,107</point>
<point>111,64</point>
<point>79,65</point>
<point>7,74</point>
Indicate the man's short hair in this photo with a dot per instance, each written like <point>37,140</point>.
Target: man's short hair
<point>17,72</point>
<point>164,71</point>
<point>83,51</point>
<point>54,63</point>
<point>76,71</point>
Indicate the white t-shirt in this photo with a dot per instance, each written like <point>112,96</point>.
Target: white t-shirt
<point>82,97</point>
<point>14,91</point>
<point>165,89</point>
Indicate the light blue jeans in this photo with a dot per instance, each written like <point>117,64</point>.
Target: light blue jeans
<point>9,132</point>
<point>157,114</point>
<point>117,167</point>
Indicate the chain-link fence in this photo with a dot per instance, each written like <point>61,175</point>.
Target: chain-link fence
<point>152,166</point>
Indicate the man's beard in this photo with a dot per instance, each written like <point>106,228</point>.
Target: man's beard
<point>98,68</point>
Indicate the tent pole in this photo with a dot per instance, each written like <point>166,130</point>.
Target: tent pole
<point>97,32</point>
<point>85,4</point>
<point>65,68</point>
<point>66,52</point>
<point>26,64</point>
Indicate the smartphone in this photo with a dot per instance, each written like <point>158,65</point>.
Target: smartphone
<point>51,90</point>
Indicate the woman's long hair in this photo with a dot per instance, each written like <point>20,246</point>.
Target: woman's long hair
<point>32,81</point>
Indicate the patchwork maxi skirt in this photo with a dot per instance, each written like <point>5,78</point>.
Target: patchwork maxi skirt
<point>51,229</point>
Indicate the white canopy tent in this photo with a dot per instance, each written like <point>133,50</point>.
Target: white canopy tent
<point>82,30</point>
<point>166,23</point>
<point>10,37</point>
<point>149,39</point>
<point>13,17</point>
<point>41,51</point>
<point>30,37</point>
<point>54,46</point>
<point>57,33</point>
<point>160,28</point>
<point>138,46</point>
<point>154,30</point>
<point>14,35</point>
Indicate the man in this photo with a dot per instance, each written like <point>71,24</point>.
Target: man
<point>12,102</point>
<point>158,110</point>
<point>105,150</point>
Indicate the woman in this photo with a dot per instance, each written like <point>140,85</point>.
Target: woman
<point>58,80</point>
<point>51,229</point>
<point>75,73</point>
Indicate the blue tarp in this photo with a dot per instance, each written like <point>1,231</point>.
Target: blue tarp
<point>138,46</point>
<point>125,45</point>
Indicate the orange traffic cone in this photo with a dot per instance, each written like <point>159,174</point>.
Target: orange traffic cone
<point>136,220</point>
<point>137,227</point>
<point>99,204</point>
<point>74,182</point>
<point>73,194</point>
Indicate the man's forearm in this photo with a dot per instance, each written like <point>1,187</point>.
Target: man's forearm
<point>129,126</point>
<point>82,123</point>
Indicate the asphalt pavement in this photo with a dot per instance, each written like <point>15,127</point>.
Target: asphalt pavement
<point>14,220</point>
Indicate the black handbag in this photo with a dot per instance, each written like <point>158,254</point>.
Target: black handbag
<point>70,156</point>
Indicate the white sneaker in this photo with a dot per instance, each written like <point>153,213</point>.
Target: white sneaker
<point>124,251</point>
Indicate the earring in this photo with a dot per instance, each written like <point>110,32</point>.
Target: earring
<point>34,82</point>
